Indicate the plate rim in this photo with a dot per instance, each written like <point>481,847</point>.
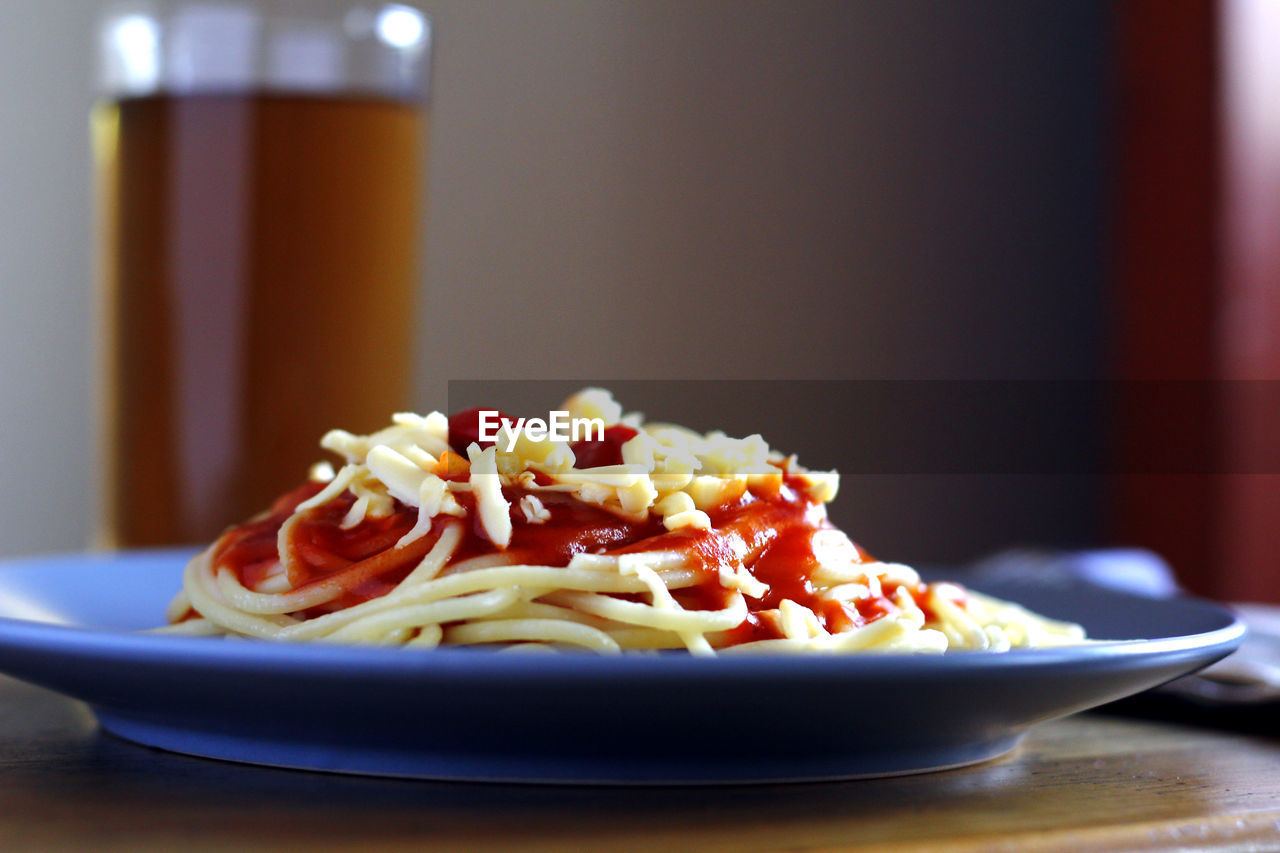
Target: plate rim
<point>171,692</point>
<point>481,664</point>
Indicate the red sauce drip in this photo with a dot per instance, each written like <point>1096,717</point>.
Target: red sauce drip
<point>787,567</point>
<point>322,546</point>
<point>250,548</point>
<point>464,428</point>
<point>574,528</point>
<point>596,453</point>
<point>325,546</point>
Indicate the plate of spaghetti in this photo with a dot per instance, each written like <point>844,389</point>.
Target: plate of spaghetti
<point>478,596</point>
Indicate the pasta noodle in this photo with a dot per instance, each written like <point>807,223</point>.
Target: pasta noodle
<point>642,537</point>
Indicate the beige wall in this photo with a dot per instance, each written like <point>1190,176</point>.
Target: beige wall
<point>647,189</point>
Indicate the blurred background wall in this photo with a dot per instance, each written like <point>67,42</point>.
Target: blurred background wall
<point>841,190</point>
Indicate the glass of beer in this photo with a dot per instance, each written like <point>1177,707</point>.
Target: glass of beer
<point>259,185</point>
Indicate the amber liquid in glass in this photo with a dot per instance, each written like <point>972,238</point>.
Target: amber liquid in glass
<point>257,270</point>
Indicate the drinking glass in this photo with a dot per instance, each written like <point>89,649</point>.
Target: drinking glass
<point>259,170</point>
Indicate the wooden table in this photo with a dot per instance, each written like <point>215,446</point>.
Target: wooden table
<point>1090,782</point>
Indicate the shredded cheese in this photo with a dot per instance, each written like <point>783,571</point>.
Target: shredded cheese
<point>673,473</point>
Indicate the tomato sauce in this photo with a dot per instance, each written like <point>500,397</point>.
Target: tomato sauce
<point>772,529</point>
<point>607,450</point>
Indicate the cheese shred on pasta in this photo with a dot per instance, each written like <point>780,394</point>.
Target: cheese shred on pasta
<point>649,537</point>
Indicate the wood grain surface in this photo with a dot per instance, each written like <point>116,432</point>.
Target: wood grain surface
<point>1091,782</point>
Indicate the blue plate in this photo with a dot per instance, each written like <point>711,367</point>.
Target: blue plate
<point>65,623</point>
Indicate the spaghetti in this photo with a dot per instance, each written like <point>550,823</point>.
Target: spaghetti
<point>647,537</point>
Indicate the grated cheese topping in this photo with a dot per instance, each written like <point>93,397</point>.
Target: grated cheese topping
<point>667,471</point>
